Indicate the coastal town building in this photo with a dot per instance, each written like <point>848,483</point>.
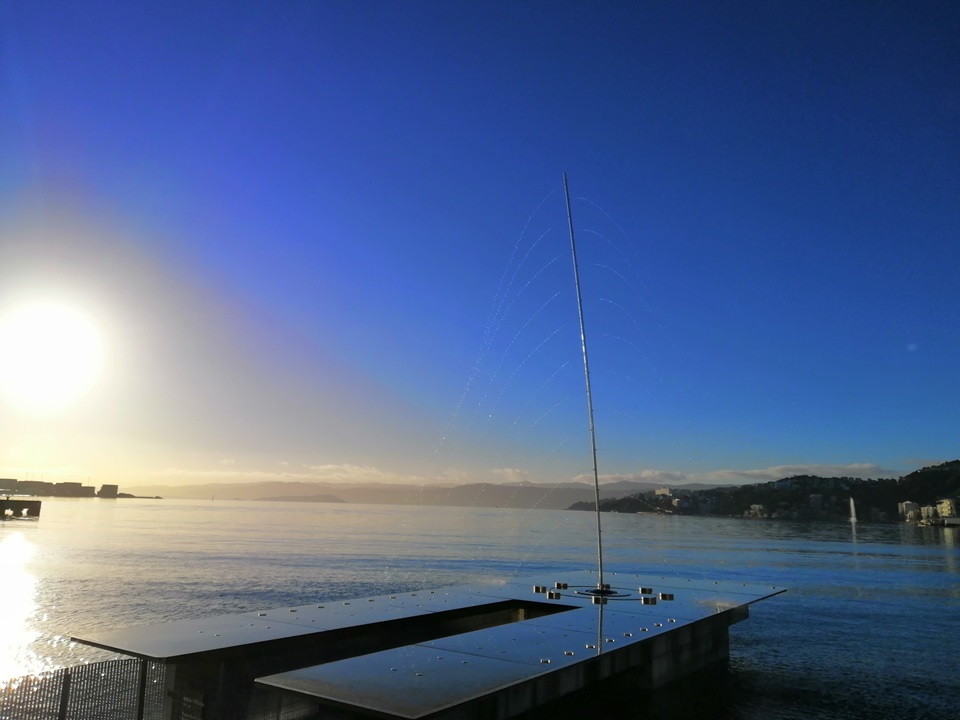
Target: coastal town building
<point>41,488</point>
<point>907,507</point>
<point>947,507</point>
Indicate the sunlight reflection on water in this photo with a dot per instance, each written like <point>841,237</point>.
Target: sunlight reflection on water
<point>18,608</point>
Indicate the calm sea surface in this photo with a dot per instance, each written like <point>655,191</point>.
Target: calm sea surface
<point>869,627</point>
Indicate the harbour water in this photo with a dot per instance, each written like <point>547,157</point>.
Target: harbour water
<point>867,629</point>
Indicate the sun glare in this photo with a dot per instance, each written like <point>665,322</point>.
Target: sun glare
<point>51,354</point>
<point>18,605</point>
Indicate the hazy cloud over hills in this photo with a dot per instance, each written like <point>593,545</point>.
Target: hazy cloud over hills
<point>743,477</point>
<point>368,474</point>
<point>369,485</point>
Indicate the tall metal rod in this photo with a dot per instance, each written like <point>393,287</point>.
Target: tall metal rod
<point>586,374</point>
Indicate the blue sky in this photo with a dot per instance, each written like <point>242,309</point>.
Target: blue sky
<point>327,240</point>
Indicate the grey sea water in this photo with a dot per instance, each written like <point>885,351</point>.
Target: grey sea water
<point>868,628</point>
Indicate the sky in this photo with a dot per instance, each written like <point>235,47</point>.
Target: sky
<point>245,241</point>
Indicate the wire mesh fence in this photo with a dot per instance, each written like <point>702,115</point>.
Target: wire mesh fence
<point>134,690</point>
<point>109,690</point>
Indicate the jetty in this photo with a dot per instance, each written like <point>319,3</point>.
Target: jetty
<point>481,651</point>
<point>19,509</point>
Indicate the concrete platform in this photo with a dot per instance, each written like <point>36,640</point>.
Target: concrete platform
<point>502,671</point>
<point>487,650</point>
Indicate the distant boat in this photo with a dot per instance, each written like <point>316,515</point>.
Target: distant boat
<point>853,511</point>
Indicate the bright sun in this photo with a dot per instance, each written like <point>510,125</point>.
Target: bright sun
<point>51,354</point>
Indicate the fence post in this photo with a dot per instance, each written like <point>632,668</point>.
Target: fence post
<point>142,689</point>
<point>64,696</point>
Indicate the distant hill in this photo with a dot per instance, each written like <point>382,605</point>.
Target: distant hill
<point>305,498</point>
<point>929,484</point>
<point>792,497</point>
<point>923,486</point>
<point>515,495</point>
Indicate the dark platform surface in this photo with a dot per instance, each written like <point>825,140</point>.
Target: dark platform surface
<point>446,651</point>
<point>428,678</point>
